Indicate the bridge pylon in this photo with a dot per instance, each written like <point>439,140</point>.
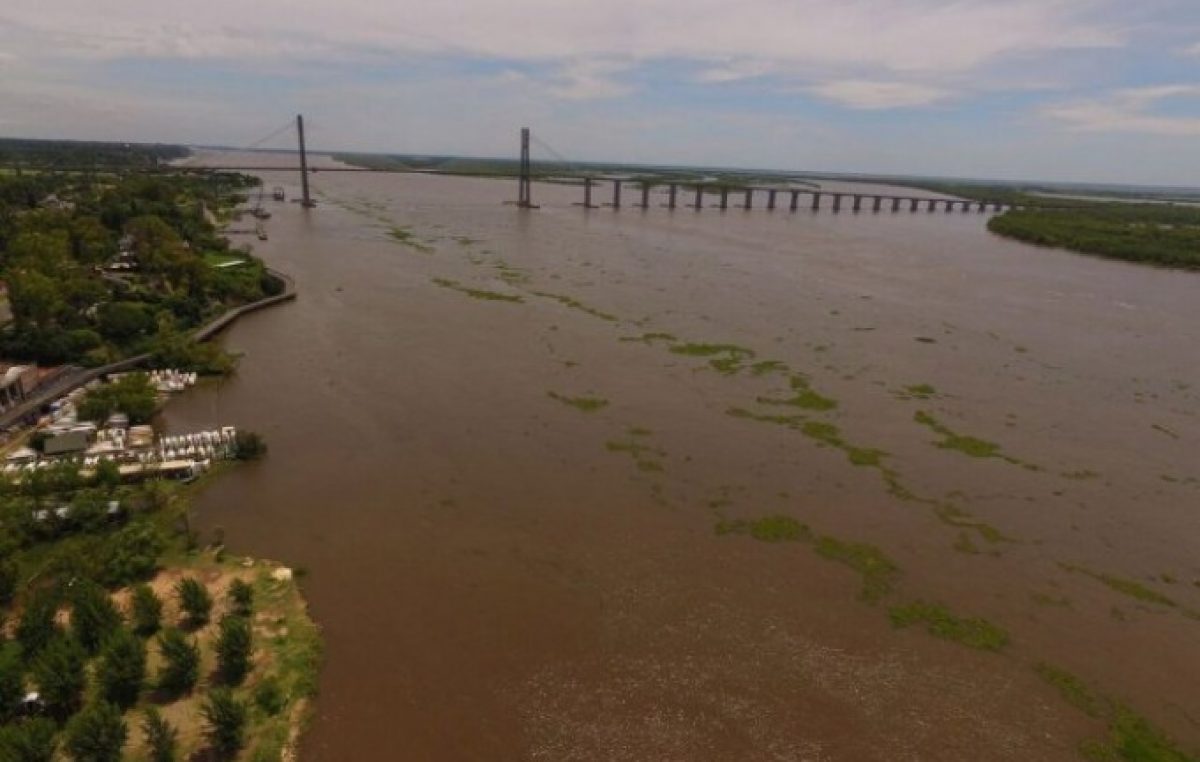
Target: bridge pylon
<point>306,200</point>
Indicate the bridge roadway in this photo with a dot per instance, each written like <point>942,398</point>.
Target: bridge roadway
<point>876,202</point>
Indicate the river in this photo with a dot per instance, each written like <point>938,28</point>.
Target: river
<point>502,575</point>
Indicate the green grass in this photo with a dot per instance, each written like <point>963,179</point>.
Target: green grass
<point>476,293</point>
<point>878,572</point>
<point>1129,587</point>
<point>575,304</point>
<point>973,632</point>
<point>583,404</point>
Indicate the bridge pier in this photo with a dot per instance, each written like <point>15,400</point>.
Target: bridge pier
<point>524,179</point>
<point>616,202</point>
<point>724,199</point>
<point>913,204</point>
<point>949,207</point>
<point>878,204</point>
<point>645,196</point>
<point>895,203</point>
<point>816,205</point>
<point>795,201</point>
<point>306,201</point>
<point>671,196</point>
<point>857,202</point>
<point>699,197</point>
<point>587,193</point>
<point>932,204</point>
<point>771,200</point>
<point>749,199</point>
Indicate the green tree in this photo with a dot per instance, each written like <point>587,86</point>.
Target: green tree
<point>35,299</point>
<point>131,554</point>
<point>233,647</point>
<point>37,626</point>
<point>123,322</point>
<point>121,670</point>
<point>59,675</point>
<point>12,683</point>
<point>30,741</point>
<point>97,734</point>
<point>248,445</point>
<point>162,740</point>
<point>93,615</point>
<point>181,662</point>
<point>8,580</point>
<point>194,601</point>
<point>146,611</point>
<point>241,597</point>
<point>225,718</point>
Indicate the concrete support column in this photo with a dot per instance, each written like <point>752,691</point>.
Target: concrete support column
<point>724,199</point>
<point>912,204</point>
<point>795,201</point>
<point>932,204</point>
<point>645,195</point>
<point>857,203</point>
<point>671,196</point>
<point>895,204</point>
<point>587,193</point>
<point>699,196</point>
<point>816,206</point>
<point>837,202</point>
<point>771,199</point>
<point>616,194</point>
<point>749,199</point>
<point>878,204</point>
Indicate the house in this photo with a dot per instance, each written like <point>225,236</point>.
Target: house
<point>16,383</point>
<point>66,443</point>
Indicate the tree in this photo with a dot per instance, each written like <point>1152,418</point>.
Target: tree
<point>248,445</point>
<point>123,322</point>
<point>97,734</point>
<point>233,648</point>
<point>37,627</point>
<point>29,741</point>
<point>93,615</point>
<point>147,611</point>
<point>12,684</point>
<point>241,597</point>
<point>226,720</point>
<point>8,580</point>
<point>162,740</point>
<point>121,671</point>
<point>131,554</point>
<point>181,662</point>
<point>59,675</point>
<point>194,600</point>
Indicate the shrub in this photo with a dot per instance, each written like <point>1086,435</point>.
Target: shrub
<point>225,717</point>
<point>147,611</point>
<point>59,675</point>
<point>241,597</point>
<point>97,734</point>
<point>181,662</point>
<point>30,741</point>
<point>121,670</point>
<point>233,649</point>
<point>194,600</point>
<point>93,615</point>
<point>162,740</point>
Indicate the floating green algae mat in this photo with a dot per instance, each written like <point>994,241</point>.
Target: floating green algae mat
<point>1129,587</point>
<point>804,397</point>
<point>649,338</point>
<point>763,367</point>
<point>709,350</point>
<point>1131,737</point>
<point>646,457</point>
<point>476,293</point>
<point>878,572</point>
<point>767,529</point>
<point>577,305</point>
<point>973,632</point>
<point>405,236</point>
<point>972,446</point>
<point>584,404</point>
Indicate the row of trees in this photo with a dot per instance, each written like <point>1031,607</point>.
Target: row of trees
<point>57,660</point>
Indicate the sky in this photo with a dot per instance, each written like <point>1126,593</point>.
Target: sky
<point>1069,90</point>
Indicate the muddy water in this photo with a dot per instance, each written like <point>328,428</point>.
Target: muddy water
<point>499,577</point>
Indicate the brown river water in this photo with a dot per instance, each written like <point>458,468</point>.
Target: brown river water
<point>502,576</point>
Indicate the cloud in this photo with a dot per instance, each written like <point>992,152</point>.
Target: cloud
<point>734,71</point>
<point>1129,111</point>
<point>588,80</point>
<point>866,94</point>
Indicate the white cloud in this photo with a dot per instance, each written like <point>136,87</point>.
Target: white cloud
<point>865,94</point>
<point>588,80</point>
<point>734,71</point>
<point>1129,111</point>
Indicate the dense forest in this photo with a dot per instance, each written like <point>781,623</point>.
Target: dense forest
<point>104,265</point>
<point>1163,233</point>
<point>74,153</point>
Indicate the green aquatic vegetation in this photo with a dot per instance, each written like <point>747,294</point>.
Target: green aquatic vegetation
<point>1042,599</point>
<point>1131,737</point>
<point>649,338</point>
<point>1129,587</point>
<point>710,350</point>
<point>878,572</point>
<point>728,365</point>
<point>967,445</point>
<point>917,392</point>
<point>973,632</point>
<point>646,457</point>
<point>574,304</point>
<point>463,240</point>
<point>763,367</point>
<point>1080,475</point>
<point>1164,430</point>
<point>964,544</point>
<point>513,276</point>
<point>925,339</point>
<point>638,431</point>
<point>476,293</point>
<point>792,421</point>
<point>583,404</point>
<point>406,237</point>
<point>804,397</point>
<point>775,528</point>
